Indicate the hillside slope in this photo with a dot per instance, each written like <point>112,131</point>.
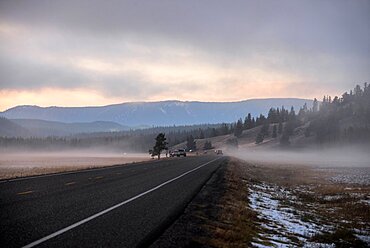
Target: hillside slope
<point>43,128</point>
<point>10,129</point>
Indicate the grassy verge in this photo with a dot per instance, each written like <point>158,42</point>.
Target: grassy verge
<point>264,205</point>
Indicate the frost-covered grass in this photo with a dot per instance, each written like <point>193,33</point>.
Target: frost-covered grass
<point>301,206</point>
<point>284,226</point>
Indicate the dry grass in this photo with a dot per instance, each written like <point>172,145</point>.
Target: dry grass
<point>340,205</point>
<point>234,225</point>
<point>20,165</point>
<point>221,214</point>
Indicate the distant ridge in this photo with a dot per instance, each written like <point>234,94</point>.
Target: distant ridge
<point>163,113</point>
<point>11,129</point>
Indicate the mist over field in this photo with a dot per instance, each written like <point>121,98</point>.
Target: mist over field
<point>17,163</point>
<point>345,156</point>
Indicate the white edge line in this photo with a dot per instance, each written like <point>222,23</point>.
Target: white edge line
<point>50,236</point>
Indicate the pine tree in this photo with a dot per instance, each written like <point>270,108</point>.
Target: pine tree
<point>160,145</point>
<point>272,116</point>
<point>207,145</point>
<point>265,129</point>
<point>284,141</point>
<point>248,123</point>
<point>190,143</point>
<point>259,138</point>
<point>274,131</point>
<point>201,134</point>
<point>238,131</point>
<point>280,128</point>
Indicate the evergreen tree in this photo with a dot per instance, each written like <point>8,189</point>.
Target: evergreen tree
<point>248,123</point>
<point>265,129</point>
<point>238,131</point>
<point>272,116</point>
<point>253,122</point>
<point>207,145</point>
<point>214,132</point>
<point>280,127</point>
<point>291,116</point>
<point>274,131</point>
<point>259,138</point>
<point>284,141</point>
<point>260,120</point>
<point>190,143</point>
<point>201,134</point>
<point>160,145</point>
<point>224,129</point>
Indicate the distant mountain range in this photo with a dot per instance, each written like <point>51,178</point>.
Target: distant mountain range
<point>164,113</point>
<point>41,128</point>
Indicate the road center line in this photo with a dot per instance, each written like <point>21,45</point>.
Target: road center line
<point>61,231</point>
<point>25,193</point>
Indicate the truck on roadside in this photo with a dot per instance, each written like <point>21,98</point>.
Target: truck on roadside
<point>178,153</point>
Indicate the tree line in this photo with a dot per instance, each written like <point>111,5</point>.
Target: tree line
<point>337,119</point>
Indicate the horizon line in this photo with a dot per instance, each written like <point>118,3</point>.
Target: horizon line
<point>142,102</point>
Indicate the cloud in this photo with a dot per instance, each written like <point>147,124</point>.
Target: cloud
<point>188,50</point>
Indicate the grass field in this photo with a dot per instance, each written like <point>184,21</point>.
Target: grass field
<point>307,206</point>
<point>27,164</point>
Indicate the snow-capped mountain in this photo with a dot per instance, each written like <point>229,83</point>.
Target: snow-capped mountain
<point>164,113</point>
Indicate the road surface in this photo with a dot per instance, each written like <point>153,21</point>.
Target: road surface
<point>120,206</point>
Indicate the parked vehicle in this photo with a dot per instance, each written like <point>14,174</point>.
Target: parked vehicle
<point>178,153</point>
<point>218,152</point>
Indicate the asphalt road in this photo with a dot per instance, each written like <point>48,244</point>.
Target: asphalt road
<point>121,206</point>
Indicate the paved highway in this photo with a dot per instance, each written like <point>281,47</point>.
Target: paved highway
<point>120,206</point>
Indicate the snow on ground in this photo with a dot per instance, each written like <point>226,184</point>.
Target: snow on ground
<point>283,224</point>
<point>350,175</point>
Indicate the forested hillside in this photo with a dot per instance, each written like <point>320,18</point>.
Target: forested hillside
<point>344,119</point>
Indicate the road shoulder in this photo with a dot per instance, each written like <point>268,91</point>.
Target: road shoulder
<point>217,216</point>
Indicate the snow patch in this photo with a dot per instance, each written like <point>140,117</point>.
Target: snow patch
<point>283,223</point>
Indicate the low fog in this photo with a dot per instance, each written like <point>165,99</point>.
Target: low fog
<point>19,162</point>
<point>328,157</point>
<point>70,152</point>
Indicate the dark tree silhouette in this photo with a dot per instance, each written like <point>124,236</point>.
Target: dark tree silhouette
<point>249,122</point>
<point>207,145</point>
<point>160,145</point>
<point>238,131</point>
<point>280,127</point>
<point>259,138</point>
<point>274,131</point>
<point>284,141</point>
<point>265,129</point>
<point>190,143</point>
<point>201,134</point>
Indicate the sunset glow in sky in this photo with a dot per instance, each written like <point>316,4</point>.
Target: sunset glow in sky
<point>80,53</point>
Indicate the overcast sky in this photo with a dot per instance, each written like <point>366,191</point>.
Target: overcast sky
<point>76,53</point>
